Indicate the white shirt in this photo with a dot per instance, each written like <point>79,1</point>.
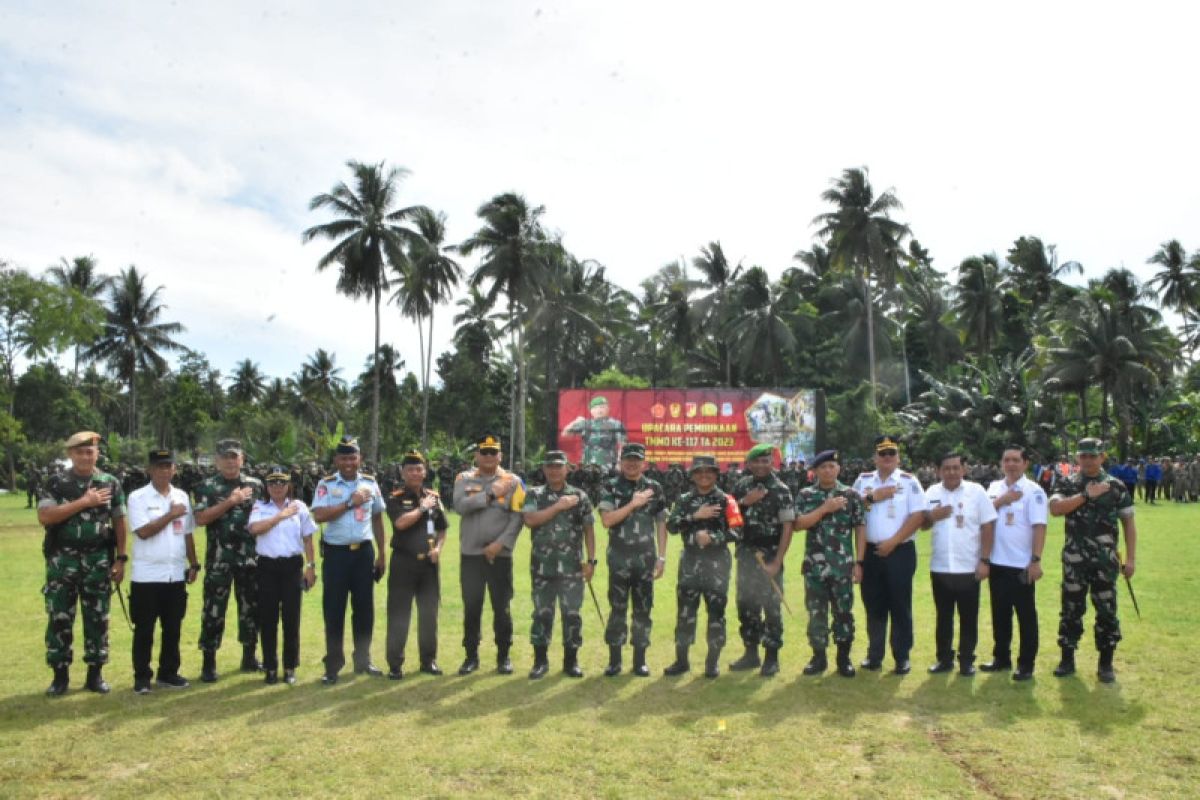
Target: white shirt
<point>1014,528</point>
<point>885,517</point>
<point>286,538</point>
<point>957,545</point>
<point>163,557</point>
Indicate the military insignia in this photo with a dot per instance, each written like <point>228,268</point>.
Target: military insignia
<point>321,490</point>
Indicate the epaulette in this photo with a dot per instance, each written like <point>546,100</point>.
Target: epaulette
<point>329,477</point>
<point>364,476</point>
<point>867,474</point>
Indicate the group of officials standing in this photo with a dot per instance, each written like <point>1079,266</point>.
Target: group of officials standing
<point>260,549</point>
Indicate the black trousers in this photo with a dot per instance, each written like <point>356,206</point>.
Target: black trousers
<point>280,589</point>
<point>1151,490</point>
<point>348,573</point>
<point>411,578</point>
<point>477,576</point>
<point>1008,594</point>
<point>956,592</point>
<point>887,595</point>
<point>150,604</point>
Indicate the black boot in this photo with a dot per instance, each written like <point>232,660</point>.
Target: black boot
<point>712,662</point>
<point>62,679</point>
<point>614,662</point>
<point>639,663</point>
<point>749,660</point>
<point>208,672</point>
<point>95,681</point>
<point>1104,669</point>
<point>770,666</point>
<point>571,663</point>
<point>1067,665</point>
<point>818,663</point>
<point>845,667</point>
<point>681,664</point>
<point>249,662</point>
<point>470,663</point>
<point>541,663</point>
<point>503,662</point>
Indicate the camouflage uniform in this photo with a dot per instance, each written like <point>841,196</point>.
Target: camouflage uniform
<point>828,567</point>
<point>229,561</point>
<point>1090,560</point>
<point>632,558</point>
<point>78,555</point>
<point>761,621</point>
<point>673,483</point>
<point>601,439</point>
<point>556,565</point>
<point>703,571</point>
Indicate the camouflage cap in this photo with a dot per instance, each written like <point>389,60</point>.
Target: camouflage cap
<point>553,457</point>
<point>760,450</point>
<point>83,439</point>
<point>704,462</point>
<point>1090,446</point>
<point>634,450</point>
<point>229,447</point>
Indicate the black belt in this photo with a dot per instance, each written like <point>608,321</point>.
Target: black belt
<point>351,547</point>
<point>299,556</point>
<point>875,545</point>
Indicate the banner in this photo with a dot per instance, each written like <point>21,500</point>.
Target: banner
<point>677,424</point>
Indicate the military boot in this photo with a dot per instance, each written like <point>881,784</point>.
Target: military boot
<point>681,664</point>
<point>62,679</point>
<point>749,660</point>
<point>541,663</point>
<point>503,662</point>
<point>818,663</point>
<point>1067,665</point>
<point>770,666</point>
<point>639,663</point>
<point>249,662</point>
<point>614,662</point>
<point>1104,669</point>
<point>571,663</point>
<point>845,667</point>
<point>95,680</point>
<point>470,663</point>
<point>208,672</point>
<point>712,663</point>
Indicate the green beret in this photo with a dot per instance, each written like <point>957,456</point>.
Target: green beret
<point>760,450</point>
<point>598,400</point>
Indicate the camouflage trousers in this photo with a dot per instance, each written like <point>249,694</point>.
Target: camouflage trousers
<point>823,594</point>
<point>630,577</point>
<point>219,578</point>
<point>1079,577</point>
<point>759,616</point>
<point>77,577</point>
<point>702,575</point>
<point>566,593</point>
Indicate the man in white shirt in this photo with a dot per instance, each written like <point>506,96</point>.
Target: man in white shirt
<point>164,561</point>
<point>896,509</point>
<point>963,522</point>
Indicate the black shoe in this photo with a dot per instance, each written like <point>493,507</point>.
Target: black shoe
<point>249,662</point>
<point>1066,666</point>
<point>942,666</point>
<point>208,673</point>
<point>903,667</point>
<point>369,669</point>
<point>845,667</point>
<point>1023,674</point>
<point>431,668</point>
<point>175,681</point>
<point>271,678</point>
<point>770,666</point>
<point>141,686</point>
<point>95,680</point>
<point>614,662</point>
<point>571,663</point>
<point>470,663</point>
<point>1104,669</point>
<point>871,664</point>
<point>748,661</point>
<point>817,664</point>
<point>329,679</point>
<point>504,664</point>
<point>640,669</point>
<point>396,673</point>
<point>62,679</point>
<point>996,666</point>
<point>681,664</point>
<point>289,677</point>
<point>966,670</point>
<point>541,664</point>
<point>712,663</point>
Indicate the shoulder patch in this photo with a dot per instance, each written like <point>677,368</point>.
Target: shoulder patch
<point>365,477</point>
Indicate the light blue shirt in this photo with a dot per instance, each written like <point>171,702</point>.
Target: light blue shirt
<point>354,525</point>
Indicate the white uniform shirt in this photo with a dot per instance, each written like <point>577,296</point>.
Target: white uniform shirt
<point>286,538</point>
<point>1014,527</point>
<point>885,517</point>
<point>957,545</point>
<point>163,557</point>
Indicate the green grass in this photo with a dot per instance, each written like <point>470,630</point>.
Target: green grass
<point>874,736</point>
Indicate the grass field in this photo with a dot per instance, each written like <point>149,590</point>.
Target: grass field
<point>877,735</point>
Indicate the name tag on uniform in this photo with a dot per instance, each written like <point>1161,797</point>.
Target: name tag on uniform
<point>337,493</point>
<point>1010,518</point>
<point>177,525</point>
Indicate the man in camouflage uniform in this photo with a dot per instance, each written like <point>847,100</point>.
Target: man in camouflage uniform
<point>223,504</point>
<point>834,549</point>
<point>707,520</point>
<point>445,476</point>
<point>634,510</point>
<point>602,435</point>
<point>559,517</point>
<point>33,484</point>
<point>768,511</point>
<point>1092,501</point>
<point>83,511</point>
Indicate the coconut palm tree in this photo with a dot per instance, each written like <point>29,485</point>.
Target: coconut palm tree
<point>321,389</point>
<point>248,384</point>
<point>762,332</point>
<point>1178,283</point>
<point>978,302</point>
<point>79,274</point>
<point>712,311</point>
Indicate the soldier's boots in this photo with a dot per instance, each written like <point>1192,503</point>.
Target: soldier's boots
<point>614,662</point>
<point>1067,665</point>
<point>818,663</point>
<point>208,672</point>
<point>770,666</point>
<point>62,679</point>
<point>470,663</point>
<point>639,663</point>
<point>95,680</point>
<point>571,663</point>
<point>503,662</point>
<point>712,663</point>
<point>845,667</point>
<point>541,664</point>
<point>1104,669</point>
<point>749,660</point>
<point>249,662</point>
<point>681,664</point>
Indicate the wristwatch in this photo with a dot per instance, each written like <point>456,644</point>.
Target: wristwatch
<point>1035,559</point>
<point>122,557</point>
<point>312,565</point>
<point>593,561</point>
<point>350,503</point>
<point>195,567</point>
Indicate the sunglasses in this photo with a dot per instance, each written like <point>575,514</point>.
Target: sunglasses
<point>488,451</point>
<point>278,482</point>
<point>887,452</point>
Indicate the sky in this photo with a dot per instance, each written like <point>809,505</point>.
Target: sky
<point>188,138</point>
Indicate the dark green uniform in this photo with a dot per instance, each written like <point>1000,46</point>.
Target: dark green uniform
<point>828,566</point>
<point>601,439</point>
<point>78,555</point>
<point>703,571</point>
<point>759,617</point>
<point>632,557</point>
<point>230,561</point>
<point>556,565</point>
